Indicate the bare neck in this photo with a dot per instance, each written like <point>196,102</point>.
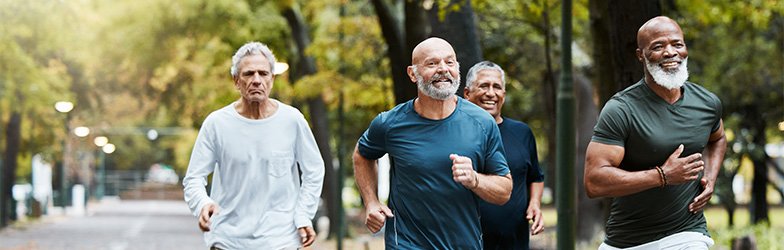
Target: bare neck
<point>434,109</point>
<point>668,95</point>
<point>256,110</point>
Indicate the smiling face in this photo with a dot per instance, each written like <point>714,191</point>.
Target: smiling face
<point>663,51</point>
<point>487,91</point>
<point>254,78</point>
<point>435,69</point>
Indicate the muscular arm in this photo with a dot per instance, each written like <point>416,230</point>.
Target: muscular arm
<point>492,188</point>
<point>714,152</point>
<point>365,173</point>
<point>714,155</point>
<point>495,189</point>
<point>604,178</point>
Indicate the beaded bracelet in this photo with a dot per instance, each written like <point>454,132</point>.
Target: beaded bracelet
<point>662,176</point>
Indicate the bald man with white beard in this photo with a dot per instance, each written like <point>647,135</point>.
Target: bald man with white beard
<point>447,155</point>
<point>656,150</point>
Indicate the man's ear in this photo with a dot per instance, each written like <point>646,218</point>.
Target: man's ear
<point>466,92</point>
<point>236,82</point>
<point>410,72</point>
<point>640,56</point>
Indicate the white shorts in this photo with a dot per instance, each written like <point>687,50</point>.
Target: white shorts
<point>678,241</point>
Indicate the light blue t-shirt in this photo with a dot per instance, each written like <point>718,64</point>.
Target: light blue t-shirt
<point>431,210</point>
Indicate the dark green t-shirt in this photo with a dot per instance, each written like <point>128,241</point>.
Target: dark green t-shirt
<point>650,129</point>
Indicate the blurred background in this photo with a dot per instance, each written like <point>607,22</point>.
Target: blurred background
<point>101,101</point>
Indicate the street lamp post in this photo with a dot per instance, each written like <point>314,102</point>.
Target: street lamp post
<point>101,142</point>
<point>108,149</point>
<point>64,107</point>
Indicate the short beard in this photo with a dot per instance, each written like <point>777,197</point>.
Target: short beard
<point>429,89</point>
<point>669,79</point>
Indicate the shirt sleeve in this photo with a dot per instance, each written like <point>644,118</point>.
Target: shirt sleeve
<point>495,162</point>
<point>201,165</point>
<point>311,165</point>
<point>535,173</point>
<point>719,111</point>
<point>372,143</point>
<point>612,126</point>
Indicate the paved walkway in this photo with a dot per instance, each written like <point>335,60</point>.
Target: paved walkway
<point>113,225</point>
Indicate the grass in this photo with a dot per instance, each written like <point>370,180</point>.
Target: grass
<point>766,236</point>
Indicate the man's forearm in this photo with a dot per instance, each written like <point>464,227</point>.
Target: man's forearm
<point>494,188</point>
<point>536,190</point>
<point>715,155</point>
<point>365,173</point>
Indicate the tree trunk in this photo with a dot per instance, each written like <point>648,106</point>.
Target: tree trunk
<point>589,223</point>
<point>459,29</point>
<point>730,217</point>
<point>318,114</point>
<point>416,25</point>
<point>13,133</point>
<point>759,183</point>
<point>548,96</point>
<point>614,24</point>
<point>399,53</point>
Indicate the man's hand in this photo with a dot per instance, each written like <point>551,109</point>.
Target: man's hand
<point>307,236</point>
<point>463,171</point>
<point>680,170</point>
<point>535,213</point>
<point>204,217</point>
<point>376,216</point>
<point>703,198</point>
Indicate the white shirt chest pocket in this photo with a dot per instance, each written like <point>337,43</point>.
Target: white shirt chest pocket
<point>281,166</point>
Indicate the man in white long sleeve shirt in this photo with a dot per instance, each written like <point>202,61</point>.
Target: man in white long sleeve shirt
<point>267,170</point>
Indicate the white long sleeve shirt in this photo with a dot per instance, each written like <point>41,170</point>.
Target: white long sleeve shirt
<point>256,180</point>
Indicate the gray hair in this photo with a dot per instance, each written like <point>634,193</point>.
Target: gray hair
<point>252,48</point>
<point>483,65</point>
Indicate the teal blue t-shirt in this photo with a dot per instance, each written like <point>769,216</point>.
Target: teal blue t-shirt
<point>431,210</point>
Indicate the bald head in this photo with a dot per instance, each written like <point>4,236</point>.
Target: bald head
<point>656,27</point>
<point>431,47</point>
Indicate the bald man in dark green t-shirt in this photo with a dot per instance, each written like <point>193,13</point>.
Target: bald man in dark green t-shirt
<point>656,150</point>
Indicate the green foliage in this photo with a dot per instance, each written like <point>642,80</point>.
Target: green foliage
<point>764,236</point>
<point>737,50</point>
<point>514,35</point>
<point>348,51</point>
<point>34,71</point>
<point>738,54</point>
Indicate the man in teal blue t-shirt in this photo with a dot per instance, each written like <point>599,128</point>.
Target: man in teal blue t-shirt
<point>647,150</point>
<point>447,155</point>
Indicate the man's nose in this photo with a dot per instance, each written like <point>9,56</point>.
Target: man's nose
<point>442,67</point>
<point>255,79</point>
<point>490,91</point>
<point>670,51</point>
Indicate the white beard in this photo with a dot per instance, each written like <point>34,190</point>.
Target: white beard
<point>668,79</point>
<point>438,93</point>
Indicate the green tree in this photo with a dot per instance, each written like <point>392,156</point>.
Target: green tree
<point>740,47</point>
